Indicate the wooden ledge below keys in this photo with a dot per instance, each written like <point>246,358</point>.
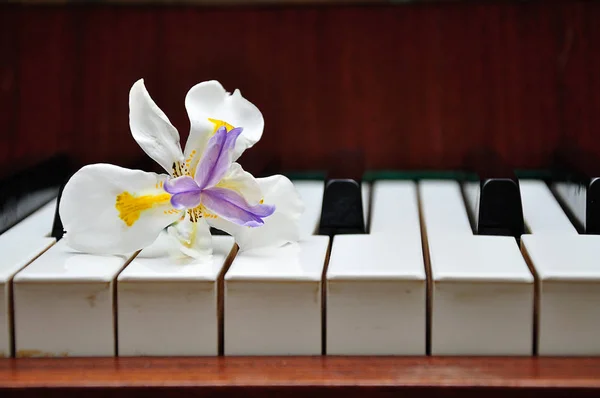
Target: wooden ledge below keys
<point>298,376</point>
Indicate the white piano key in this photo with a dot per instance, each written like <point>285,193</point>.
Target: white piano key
<point>443,208</point>
<point>568,273</point>
<point>395,208</point>
<point>311,193</point>
<point>19,246</point>
<point>169,306</point>
<point>365,191</point>
<point>376,295</point>
<point>482,290</point>
<point>273,300</point>
<point>376,285</point>
<point>38,224</point>
<point>541,211</point>
<point>63,304</point>
<point>471,190</point>
<point>482,297</point>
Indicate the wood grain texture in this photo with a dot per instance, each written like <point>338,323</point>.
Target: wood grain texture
<point>415,86</point>
<point>376,376</point>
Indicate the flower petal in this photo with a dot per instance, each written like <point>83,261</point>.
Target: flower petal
<point>152,129</point>
<point>186,200</point>
<point>181,184</point>
<point>279,228</point>
<point>233,207</point>
<point>216,159</point>
<point>193,238</point>
<point>209,100</point>
<point>242,182</point>
<point>107,209</point>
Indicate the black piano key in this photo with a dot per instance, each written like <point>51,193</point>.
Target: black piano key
<point>26,190</point>
<point>342,209</point>
<point>576,184</point>
<point>499,210</point>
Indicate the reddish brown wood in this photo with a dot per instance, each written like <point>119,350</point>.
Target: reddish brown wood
<point>297,375</point>
<point>8,85</point>
<point>415,86</point>
<point>46,83</point>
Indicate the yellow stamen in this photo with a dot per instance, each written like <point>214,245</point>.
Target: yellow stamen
<point>189,159</point>
<point>131,207</point>
<point>220,123</point>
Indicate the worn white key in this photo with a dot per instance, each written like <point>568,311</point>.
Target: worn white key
<point>311,193</point>
<point>273,300</point>
<point>482,298</point>
<point>376,295</point>
<point>395,208</point>
<point>63,304</point>
<point>19,246</point>
<point>482,291</point>
<point>541,211</point>
<point>566,265</point>
<point>568,272</point>
<point>168,306</point>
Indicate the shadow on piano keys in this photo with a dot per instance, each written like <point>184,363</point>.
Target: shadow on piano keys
<point>478,281</point>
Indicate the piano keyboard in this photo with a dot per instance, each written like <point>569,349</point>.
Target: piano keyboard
<point>420,281</point>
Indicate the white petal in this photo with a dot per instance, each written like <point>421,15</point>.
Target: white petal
<point>209,100</point>
<point>193,239</point>
<point>279,228</point>
<point>152,129</point>
<point>244,183</point>
<point>96,223</point>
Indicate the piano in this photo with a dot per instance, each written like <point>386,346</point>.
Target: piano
<point>399,284</point>
<point>426,268</point>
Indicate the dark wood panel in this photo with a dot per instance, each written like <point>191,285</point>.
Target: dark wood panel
<point>413,86</point>
<point>47,78</point>
<point>9,75</point>
<point>298,376</point>
<point>120,46</point>
<point>579,58</point>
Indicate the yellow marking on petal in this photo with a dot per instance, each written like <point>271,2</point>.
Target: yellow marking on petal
<point>130,207</point>
<point>230,184</point>
<point>220,123</point>
<point>262,201</point>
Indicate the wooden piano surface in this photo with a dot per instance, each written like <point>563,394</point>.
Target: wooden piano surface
<point>298,376</point>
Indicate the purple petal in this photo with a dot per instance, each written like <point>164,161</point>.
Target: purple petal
<point>217,157</point>
<point>181,184</point>
<point>233,207</point>
<point>186,200</point>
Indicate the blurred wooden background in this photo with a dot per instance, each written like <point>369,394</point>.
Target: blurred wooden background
<point>414,85</point>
